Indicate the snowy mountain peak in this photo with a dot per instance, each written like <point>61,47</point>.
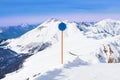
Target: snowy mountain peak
<point>43,36</point>
<point>24,25</point>
<point>108,22</point>
<point>51,20</point>
<point>104,28</point>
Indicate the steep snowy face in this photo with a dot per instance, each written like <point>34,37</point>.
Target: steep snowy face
<point>41,37</point>
<point>104,28</point>
<point>109,53</point>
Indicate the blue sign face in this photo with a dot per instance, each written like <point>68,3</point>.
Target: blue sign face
<point>62,26</point>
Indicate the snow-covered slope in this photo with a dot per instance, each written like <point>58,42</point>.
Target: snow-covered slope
<point>79,49</point>
<point>104,28</point>
<point>41,37</point>
<point>84,72</point>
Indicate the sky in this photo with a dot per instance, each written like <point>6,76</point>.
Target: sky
<point>36,11</point>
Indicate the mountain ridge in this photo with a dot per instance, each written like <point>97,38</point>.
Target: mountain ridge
<point>80,47</point>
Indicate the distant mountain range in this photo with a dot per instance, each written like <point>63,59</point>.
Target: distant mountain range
<point>8,32</point>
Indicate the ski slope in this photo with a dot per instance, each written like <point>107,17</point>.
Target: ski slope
<point>84,72</point>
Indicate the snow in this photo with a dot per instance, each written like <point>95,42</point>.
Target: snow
<point>83,52</point>
<point>50,58</point>
<point>104,28</point>
<point>86,72</point>
<point>46,32</point>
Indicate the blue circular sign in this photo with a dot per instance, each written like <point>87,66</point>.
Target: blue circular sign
<point>62,26</point>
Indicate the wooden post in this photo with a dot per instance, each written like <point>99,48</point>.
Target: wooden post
<point>62,47</point>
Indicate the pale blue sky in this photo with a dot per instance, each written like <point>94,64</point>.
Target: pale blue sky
<point>32,11</point>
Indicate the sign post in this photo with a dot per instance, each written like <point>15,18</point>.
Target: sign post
<point>62,27</point>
